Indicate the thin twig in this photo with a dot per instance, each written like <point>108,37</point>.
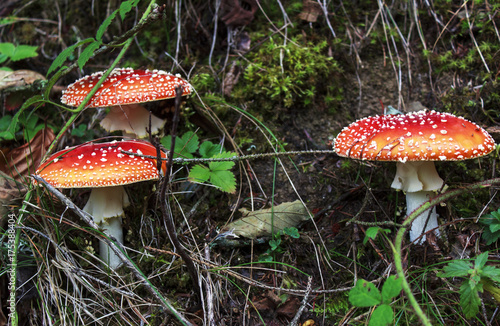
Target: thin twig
<point>162,197</point>
<point>304,303</point>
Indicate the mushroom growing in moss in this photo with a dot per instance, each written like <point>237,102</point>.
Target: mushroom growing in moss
<point>415,140</point>
<point>106,169</point>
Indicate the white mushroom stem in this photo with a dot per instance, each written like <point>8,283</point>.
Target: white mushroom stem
<point>106,206</point>
<point>420,181</point>
<point>132,119</point>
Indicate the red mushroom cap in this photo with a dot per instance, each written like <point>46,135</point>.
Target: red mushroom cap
<point>125,86</point>
<point>416,136</point>
<point>101,165</point>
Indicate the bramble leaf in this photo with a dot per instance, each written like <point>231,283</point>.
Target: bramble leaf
<point>364,294</point>
<point>371,233</point>
<point>383,315</point>
<point>209,149</point>
<point>185,146</point>
<point>391,289</point>
<point>217,173</point>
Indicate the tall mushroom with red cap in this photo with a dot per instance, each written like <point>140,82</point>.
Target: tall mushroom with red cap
<point>106,169</point>
<point>123,91</point>
<point>415,140</point>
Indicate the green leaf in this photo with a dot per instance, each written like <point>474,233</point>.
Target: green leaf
<point>469,300</point>
<point>105,24</point>
<point>185,146</point>
<point>481,260</point>
<point>217,173</point>
<point>209,149</point>
<point>7,49</point>
<point>61,58</point>
<point>372,232</point>
<point>383,315</point>
<point>391,289</point>
<point>456,268</point>
<point>292,232</point>
<point>87,53</point>
<point>491,272</point>
<point>199,173</point>
<point>364,294</point>
<point>126,6</point>
<point>23,52</point>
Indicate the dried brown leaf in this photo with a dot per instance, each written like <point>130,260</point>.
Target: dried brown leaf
<point>22,161</point>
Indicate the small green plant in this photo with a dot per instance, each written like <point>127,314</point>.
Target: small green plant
<point>9,51</point>
<point>276,242</point>
<point>298,73</point>
<point>492,222</point>
<point>29,123</point>
<point>478,277</point>
<point>365,294</point>
<point>217,173</point>
<point>92,43</point>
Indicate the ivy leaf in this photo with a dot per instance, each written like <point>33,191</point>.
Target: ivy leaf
<point>364,294</point>
<point>383,315</point>
<point>391,289</point>
<point>87,53</point>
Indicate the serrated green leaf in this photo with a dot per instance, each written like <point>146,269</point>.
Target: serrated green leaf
<point>23,52</point>
<point>491,272</point>
<point>456,268</point>
<point>105,24</point>
<point>383,315</point>
<point>87,53</point>
<point>217,173</point>
<point>364,294</point>
<point>495,227</point>
<point>199,173</point>
<point>209,149</point>
<point>126,6</point>
<point>224,180</point>
<point>185,146</point>
<point>469,300</point>
<point>481,260</point>
<point>61,58</point>
<point>391,289</point>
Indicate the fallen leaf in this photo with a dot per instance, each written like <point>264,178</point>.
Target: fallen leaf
<point>265,221</point>
<point>310,11</point>
<point>20,162</point>
<point>18,78</point>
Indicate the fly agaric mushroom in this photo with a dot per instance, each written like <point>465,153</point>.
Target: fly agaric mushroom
<point>104,168</point>
<point>415,140</point>
<point>123,91</point>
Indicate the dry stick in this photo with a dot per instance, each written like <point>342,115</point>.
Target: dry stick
<point>162,196</point>
<point>295,319</point>
<point>116,246</point>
